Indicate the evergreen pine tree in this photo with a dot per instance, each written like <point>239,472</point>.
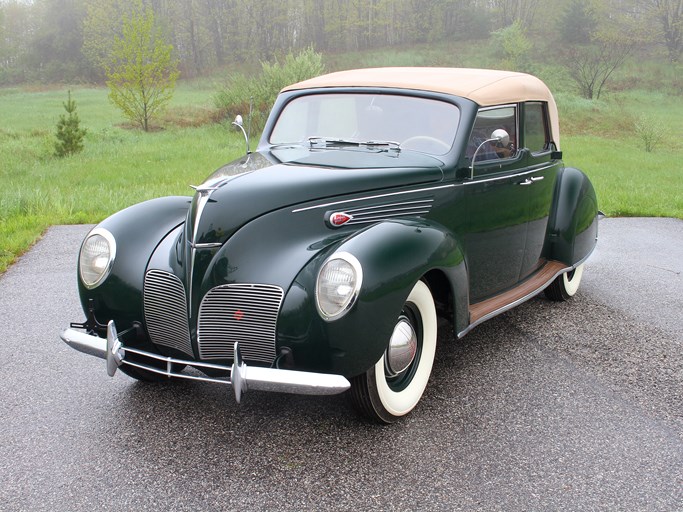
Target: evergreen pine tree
<point>69,133</point>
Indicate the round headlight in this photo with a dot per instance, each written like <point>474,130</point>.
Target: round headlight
<point>97,256</point>
<point>338,284</point>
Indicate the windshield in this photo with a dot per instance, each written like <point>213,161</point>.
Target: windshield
<point>419,124</point>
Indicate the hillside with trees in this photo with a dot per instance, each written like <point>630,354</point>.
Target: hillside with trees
<point>72,40</point>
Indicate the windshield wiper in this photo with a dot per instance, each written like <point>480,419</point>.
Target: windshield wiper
<point>325,142</point>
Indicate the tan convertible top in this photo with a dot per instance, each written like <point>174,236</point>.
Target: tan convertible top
<point>486,87</point>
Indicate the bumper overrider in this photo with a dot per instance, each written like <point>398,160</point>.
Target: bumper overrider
<point>242,377</point>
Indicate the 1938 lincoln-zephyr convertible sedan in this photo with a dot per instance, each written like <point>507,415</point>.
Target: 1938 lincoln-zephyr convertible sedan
<point>377,200</point>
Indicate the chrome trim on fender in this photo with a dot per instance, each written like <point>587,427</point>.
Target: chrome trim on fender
<point>376,212</point>
<point>379,196</point>
<point>242,377</point>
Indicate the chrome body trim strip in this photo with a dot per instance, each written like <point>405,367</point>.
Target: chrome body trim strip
<point>515,303</point>
<point>204,192</point>
<point>367,220</point>
<point>379,196</point>
<point>526,297</point>
<point>242,377</point>
<point>509,176</point>
<point>403,205</point>
<point>211,245</point>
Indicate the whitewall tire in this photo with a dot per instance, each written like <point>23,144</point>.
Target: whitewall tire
<point>565,286</point>
<point>395,384</point>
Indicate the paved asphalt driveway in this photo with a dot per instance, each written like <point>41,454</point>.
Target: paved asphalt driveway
<point>574,406</point>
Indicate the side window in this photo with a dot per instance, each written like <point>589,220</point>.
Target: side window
<point>536,137</point>
<point>488,120</point>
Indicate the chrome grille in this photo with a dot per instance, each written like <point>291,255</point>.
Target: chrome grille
<point>166,311</point>
<point>384,211</point>
<point>239,312</point>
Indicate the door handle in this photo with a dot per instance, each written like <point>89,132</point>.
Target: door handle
<point>530,181</point>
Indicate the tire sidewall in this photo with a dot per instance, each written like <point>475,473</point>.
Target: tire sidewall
<point>400,403</point>
<point>571,284</point>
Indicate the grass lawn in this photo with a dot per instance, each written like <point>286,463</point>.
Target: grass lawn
<point>121,166</point>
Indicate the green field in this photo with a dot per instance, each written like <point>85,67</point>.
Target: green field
<point>121,166</point>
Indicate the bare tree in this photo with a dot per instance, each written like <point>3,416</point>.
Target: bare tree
<point>593,65</point>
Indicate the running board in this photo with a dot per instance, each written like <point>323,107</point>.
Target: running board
<point>482,311</point>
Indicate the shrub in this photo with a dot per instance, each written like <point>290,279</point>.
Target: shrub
<point>236,96</point>
<point>649,131</point>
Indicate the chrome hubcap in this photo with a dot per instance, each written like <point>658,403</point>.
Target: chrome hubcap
<point>402,348</point>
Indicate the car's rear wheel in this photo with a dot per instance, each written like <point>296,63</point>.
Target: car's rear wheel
<point>565,286</point>
<point>395,384</point>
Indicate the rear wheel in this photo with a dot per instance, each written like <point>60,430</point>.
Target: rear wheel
<point>565,286</point>
<point>394,385</point>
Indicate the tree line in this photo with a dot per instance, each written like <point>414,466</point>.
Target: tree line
<point>72,40</point>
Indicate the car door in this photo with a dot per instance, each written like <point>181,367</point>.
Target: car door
<point>496,205</point>
<point>539,182</point>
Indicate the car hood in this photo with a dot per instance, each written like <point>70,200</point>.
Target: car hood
<point>268,181</point>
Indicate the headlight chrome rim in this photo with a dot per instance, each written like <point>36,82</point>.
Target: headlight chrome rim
<point>349,302</point>
<point>111,244</point>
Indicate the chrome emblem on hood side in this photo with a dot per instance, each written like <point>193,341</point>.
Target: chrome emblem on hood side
<point>338,219</point>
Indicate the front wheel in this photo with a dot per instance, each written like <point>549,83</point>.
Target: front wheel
<point>394,385</point>
<point>566,285</point>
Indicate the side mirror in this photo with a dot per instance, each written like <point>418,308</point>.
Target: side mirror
<point>499,136</point>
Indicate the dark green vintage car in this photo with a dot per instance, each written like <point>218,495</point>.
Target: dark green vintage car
<point>377,199</point>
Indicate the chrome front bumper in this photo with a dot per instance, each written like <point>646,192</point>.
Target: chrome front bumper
<point>242,377</point>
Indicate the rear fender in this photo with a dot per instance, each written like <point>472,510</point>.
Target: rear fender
<point>573,225</point>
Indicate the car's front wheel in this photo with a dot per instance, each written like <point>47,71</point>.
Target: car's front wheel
<point>394,385</point>
<point>565,286</point>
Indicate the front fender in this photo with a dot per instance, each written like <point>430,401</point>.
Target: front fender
<point>573,226</point>
<point>394,255</point>
<point>137,231</point>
